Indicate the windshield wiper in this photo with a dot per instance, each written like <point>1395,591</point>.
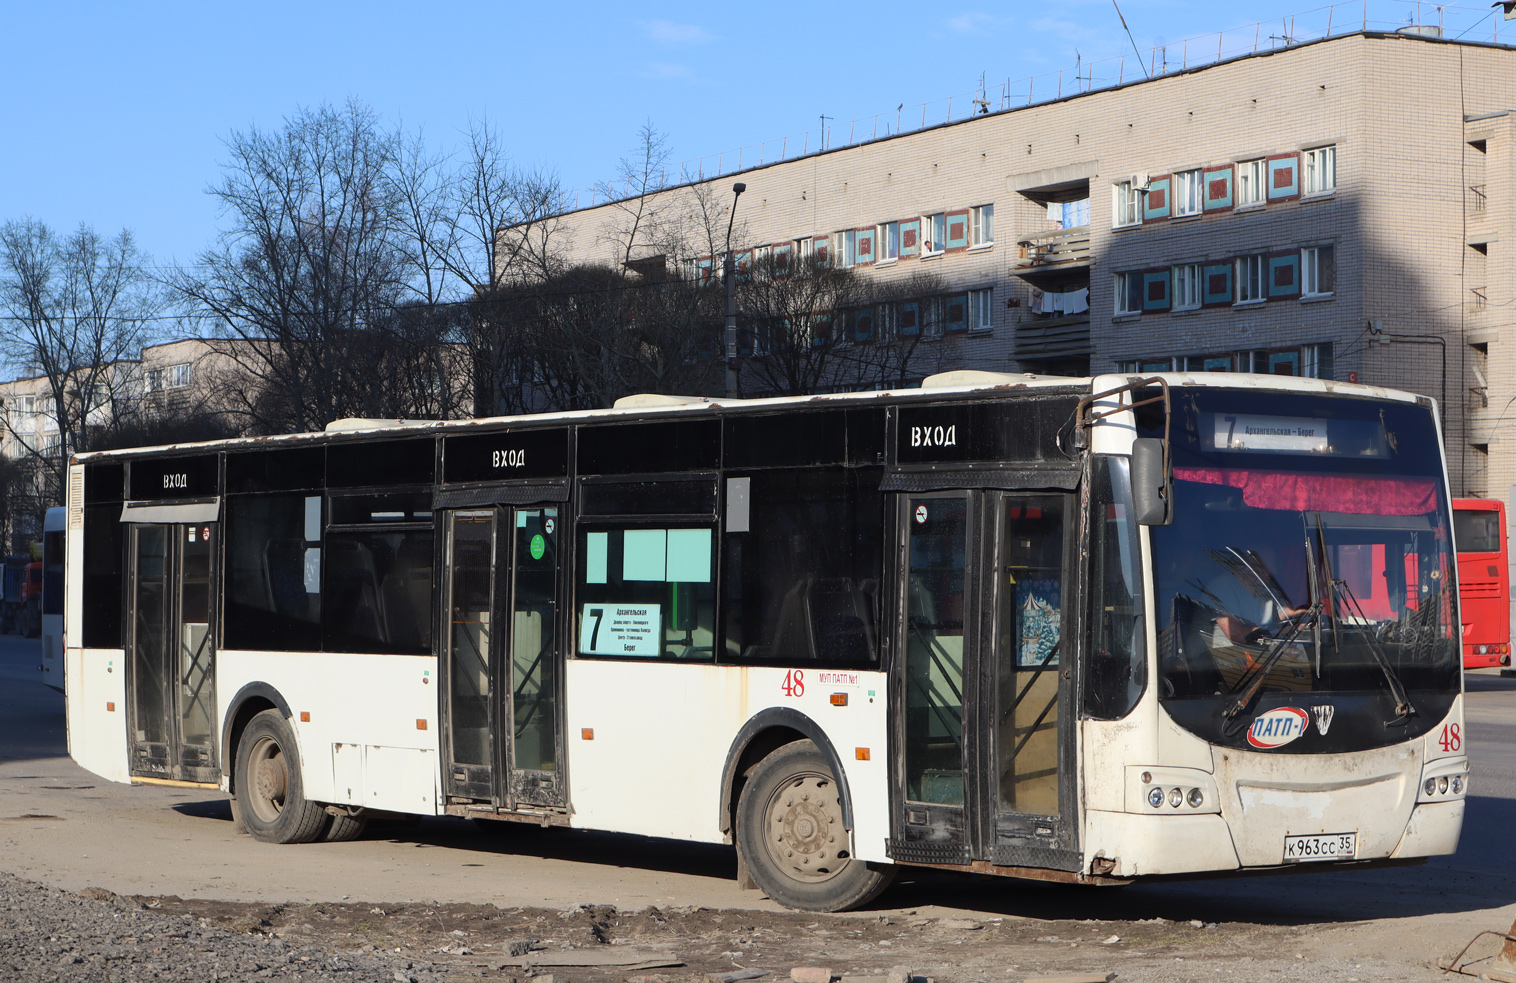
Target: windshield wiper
<point>1313,577</point>
<point>1404,711</point>
<point>1331,590</point>
<point>1260,671</point>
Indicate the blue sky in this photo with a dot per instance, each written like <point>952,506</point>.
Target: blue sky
<point>114,114</point>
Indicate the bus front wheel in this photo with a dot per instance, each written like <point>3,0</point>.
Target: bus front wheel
<point>270,793</point>
<point>791,836</point>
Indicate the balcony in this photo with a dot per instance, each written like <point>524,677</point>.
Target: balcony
<point>1053,252</point>
<point>1041,339</point>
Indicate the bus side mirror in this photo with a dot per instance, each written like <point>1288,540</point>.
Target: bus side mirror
<point>1152,489</point>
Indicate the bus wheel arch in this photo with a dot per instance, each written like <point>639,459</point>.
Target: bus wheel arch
<point>791,839</point>
<point>251,700</point>
<point>765,733</point>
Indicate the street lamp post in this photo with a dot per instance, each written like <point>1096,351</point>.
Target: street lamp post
<point>729,281</point>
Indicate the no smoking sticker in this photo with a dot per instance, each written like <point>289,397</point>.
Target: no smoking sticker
<point>547,527</point>
<point>920,515</point>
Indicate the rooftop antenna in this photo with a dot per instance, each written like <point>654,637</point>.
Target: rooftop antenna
<point>1287,37</point>
<point>1090,78</point>
<point>1130,38</point>
<point>824,118</point>
<point>982,104</point>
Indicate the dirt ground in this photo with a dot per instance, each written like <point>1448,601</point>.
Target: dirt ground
<point>678,944</point>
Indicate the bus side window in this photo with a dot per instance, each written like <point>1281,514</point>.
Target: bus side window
<point>646,592</point>
<point>802,580</point>
<point>270,605</point>
<point>1117,670</point>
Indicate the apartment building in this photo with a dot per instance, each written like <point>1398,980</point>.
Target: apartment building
<point>1331,209</point>
<point>178,380</point>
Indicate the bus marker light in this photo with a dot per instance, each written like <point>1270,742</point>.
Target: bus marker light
<point>839,699</point>
<point>862,753</point>
<point>1147,777</point>
<point>1195,798</point>
<point>1155,797</point>
<point>305,716</point>
<point>421,723</point>
<point>587,733</point>
<point>110,708</point>
<point>1175,797</point>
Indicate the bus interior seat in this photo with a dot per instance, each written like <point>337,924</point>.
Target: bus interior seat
<point>354,587</point>
<point>407,594</point>
<point>284,577</point>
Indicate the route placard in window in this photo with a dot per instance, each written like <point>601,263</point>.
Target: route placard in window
<point>621,629</point>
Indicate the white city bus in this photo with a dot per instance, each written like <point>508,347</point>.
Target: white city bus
<point>1080,630</point>
<point>52,598</point>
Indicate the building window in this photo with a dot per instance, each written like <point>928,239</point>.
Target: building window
<point>1069,214</point>
<point>981,313</point>
<point>178,376</point>
<point>845,245</point>
<point>153,381</point>
<point>1318,270</point>
<point>889,241</point>
<point>982,225</point>
<point>806,249</point>
<point>1189,193</point>
<point>1128,293</point>
<point>1250,183</point>
<point>1125,200</point>
<point>1187,287</point>
<point>934,233</point>
<point>1320,170</point>
<point>1316,361</point>
<point>1251,285</point>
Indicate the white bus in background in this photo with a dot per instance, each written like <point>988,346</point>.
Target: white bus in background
<point>1086,630</point>
<point>53,525</point>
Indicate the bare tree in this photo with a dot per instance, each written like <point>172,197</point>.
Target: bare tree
<point>311,265</point>
<point>79,308</point>
<point>812,327</point>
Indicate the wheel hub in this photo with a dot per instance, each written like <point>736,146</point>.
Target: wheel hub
<point>805,820</point>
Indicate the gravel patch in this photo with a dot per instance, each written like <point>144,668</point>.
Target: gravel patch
<point>47,935</point>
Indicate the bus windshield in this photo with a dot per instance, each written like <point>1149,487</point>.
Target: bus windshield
<point>1309,566</point>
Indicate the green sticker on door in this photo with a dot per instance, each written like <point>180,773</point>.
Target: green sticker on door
<point>539,546</point>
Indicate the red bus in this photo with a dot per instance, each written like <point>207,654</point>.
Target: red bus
<point>1484,592</point>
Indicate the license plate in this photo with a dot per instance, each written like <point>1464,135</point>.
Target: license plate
<point>1321,846</point>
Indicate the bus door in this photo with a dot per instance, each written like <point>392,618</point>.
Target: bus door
<point>502,656</point>
<point>987,731</point>
<point>173,654</point>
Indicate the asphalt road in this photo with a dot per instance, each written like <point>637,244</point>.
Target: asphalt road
<point>64,827</point>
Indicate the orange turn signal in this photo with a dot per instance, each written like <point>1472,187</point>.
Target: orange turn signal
<point>421,723</point>
<point>305,716</point>
<point>839,699</point>
<point>587,733</point>
<point>862,753</point>
<point>110,708</point>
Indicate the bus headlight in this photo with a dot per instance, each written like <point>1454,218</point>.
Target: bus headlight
<point>1196,797</point>
<point>1429,786</point>
<point>1176,797</point>
<point>1442,784</point>
<point>1457,784</point>
<point>1155,797</point>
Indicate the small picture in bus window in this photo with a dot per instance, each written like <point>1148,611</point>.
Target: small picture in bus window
<point>647,593</point>
<point>621,629</point>
<point>1037,604</point>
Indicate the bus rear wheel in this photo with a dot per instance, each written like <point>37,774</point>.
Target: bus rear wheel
<point>270,793</point>
<point>791,837</point>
